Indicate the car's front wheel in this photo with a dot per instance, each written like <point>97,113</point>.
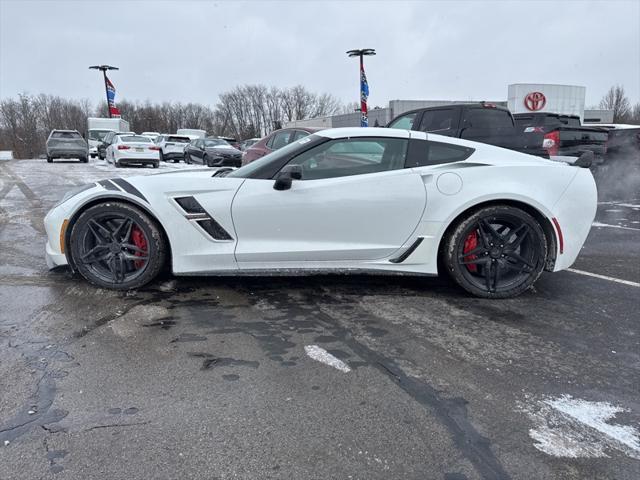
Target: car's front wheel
<point>496,252</point>
<point>116,245</point>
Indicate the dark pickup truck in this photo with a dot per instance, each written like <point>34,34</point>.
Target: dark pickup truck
<point>479,122</point>
<point>563,135</point>
<point>541,134</point>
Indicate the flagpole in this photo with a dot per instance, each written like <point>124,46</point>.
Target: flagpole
<point>103,69</point>
<point>364,115</point>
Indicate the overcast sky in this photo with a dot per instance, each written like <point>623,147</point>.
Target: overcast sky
<point>193,50</point>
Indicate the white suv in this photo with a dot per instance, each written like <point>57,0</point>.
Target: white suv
<point>172,147</point>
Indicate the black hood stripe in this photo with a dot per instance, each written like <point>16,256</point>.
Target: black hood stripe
<point>127,187</point>
<point>108,185</point>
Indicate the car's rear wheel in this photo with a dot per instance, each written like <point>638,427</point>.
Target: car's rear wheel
<point>187,160</point>
<point>49,160</point>
<point>84,159</point>
<point>207,161</point>
<point>496,252</point>
<point>115,245</point>
<point>161,156</point>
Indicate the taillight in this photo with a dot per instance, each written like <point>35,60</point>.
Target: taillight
<point>154,148</point>
<point>551,142</point>
<point>123,147</point>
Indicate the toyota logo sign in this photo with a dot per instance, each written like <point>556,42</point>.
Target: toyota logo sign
<point>535,101</point>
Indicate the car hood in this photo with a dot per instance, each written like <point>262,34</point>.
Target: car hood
<point>221,149</point>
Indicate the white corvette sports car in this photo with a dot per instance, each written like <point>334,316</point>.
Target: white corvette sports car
<point>350,199</point>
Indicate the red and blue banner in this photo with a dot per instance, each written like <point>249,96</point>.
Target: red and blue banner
<point>364,94</point>
<point>111,98</point>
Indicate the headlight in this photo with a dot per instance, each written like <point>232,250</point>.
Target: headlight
<point>73,193</point>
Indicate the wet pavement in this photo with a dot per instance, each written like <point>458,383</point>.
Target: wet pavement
<point>348,377</point>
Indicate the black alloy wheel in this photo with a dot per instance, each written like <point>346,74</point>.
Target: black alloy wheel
<point>496,252</point>
<point>115,245</point>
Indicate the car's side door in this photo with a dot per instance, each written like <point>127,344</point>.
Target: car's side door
<point>356,201</point>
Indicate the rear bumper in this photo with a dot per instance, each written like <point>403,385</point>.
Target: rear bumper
<point>173,155</point>
<point>67,153</point>
<point>138,161</point>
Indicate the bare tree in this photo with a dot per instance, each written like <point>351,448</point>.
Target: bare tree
<point>616,100</point>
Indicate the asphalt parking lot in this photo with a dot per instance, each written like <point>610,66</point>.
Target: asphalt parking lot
<point>328,377</point>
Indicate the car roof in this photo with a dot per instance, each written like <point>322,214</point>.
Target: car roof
<point>364,132</point>
<point>69,131</point>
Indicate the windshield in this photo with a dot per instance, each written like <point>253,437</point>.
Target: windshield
<point>66,135</point>
<point>135,139</point>
<point>98,134</point>
<point>215,143</point>
<point>248,170</point>
<point>179,139</point>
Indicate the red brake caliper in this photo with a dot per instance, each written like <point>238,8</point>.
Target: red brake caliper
<point>137,237</point>
<point>470,243</point>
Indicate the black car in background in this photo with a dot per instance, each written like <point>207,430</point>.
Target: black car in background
<point>212,152</point>
<point>478,122</point>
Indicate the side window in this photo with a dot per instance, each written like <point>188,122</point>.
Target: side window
<point>424,153</point>
<point>404,122</point>
<point>279,140</point>
<point>437,120</point>
<point>298,134</point>
<point>487,118</point>
<point>352,156</point>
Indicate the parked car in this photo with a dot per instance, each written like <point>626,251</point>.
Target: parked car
<point>67,144</point>
<point>274,141</point>
<point>479,122</point>
<point>624,139</point>
<point>345,199</point>
<point>245,144</point>
<point>562,135</point>
<point>172,147</point>
<point>98,127</point>
<point>133,150</point>
<point>107,140</point>
<point>212,152</point>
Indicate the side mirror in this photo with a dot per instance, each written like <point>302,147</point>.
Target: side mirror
<point>286,176</point>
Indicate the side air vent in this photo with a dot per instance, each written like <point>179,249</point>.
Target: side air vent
<point>190,205</point>
<point>214,229</point>
<point>194,212</point>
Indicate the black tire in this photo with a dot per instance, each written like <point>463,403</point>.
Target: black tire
<point>187,160</point>
<point>161,156</point>
<point>107,267</point>
<point>84,159</point>
<point>495,252</point>
<point>117,164</point>
<point>156,164</point>
<point>206,161</point>
<point>49,160</point>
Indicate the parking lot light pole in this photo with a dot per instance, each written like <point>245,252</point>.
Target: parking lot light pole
<point>104,69</point>
<point>364,86</point>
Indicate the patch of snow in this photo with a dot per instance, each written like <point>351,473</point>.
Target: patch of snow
<point>321,355</point>
<point>598,224</point>
<point>572,427</point>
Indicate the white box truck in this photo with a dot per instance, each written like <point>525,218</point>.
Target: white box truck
<point>192,132</point>
<point>97,128</point>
